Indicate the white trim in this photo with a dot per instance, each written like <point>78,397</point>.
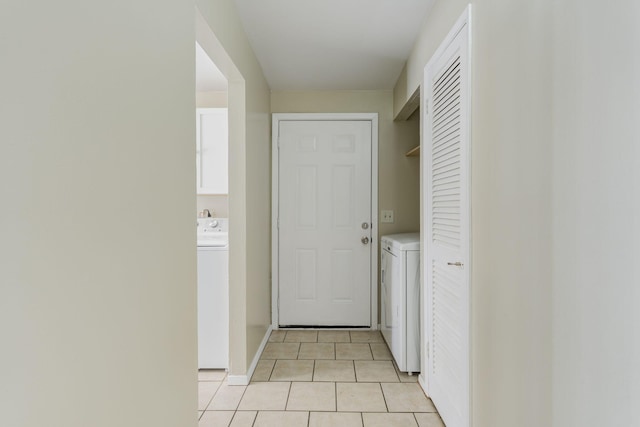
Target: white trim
<point>275,236</point>
<point>276,118</point>
<point>244,379</point>
<point>422,380</point>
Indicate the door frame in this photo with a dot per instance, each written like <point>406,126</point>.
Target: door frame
<point>275,198</point>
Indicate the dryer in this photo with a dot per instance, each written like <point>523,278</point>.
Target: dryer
<point>400,298</point>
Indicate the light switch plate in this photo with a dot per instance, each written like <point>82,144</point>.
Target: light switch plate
<point>387,216</point>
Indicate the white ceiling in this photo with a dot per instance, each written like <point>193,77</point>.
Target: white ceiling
<point>332,44</point>
<point>208,76</point>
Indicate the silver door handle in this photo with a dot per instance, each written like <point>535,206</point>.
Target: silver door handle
<point>457,264</point>
<point>364,240</point>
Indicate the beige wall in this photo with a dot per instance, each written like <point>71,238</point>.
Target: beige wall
<point>398,177</point>
<point>511,203</point>
<point>511,213</point>
<point>218,205</point>
<point>211,99</point>
<point>596,213</point>
<point>215,203</point>
<point>97,254</point>
<point>439,21</point>
<point>249,183</point>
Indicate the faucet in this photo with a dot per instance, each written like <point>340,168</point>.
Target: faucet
<point>206,213</point>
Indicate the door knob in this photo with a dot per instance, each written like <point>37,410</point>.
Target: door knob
<point>364,240</point>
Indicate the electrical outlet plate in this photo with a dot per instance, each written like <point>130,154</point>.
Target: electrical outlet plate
<point>386,216</point>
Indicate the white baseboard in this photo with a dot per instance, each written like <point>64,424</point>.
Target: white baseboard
<point>244,379</point>
<point>423,383</point>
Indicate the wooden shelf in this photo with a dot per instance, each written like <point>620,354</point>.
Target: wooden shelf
<point>414,152</point>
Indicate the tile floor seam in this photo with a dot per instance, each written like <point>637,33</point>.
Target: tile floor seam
<point>270,374</point>
<point>241,397</point>
<point>286,403</point>
<point>383,397</point>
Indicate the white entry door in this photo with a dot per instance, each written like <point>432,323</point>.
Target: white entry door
<point>446,208</point>
<point>324,219</point>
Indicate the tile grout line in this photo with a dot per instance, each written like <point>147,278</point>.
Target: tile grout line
<point>241,397</point>
<point>273,367</point>
<point>286,404</point>
<point>384,397</point>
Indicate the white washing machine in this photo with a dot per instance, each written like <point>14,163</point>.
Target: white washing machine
<point>213,293</point>
<point>400,298</point>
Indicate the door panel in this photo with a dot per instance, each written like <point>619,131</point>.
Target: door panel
<point>446,258</point>
<point>324,196</point>
<point>307,194</point>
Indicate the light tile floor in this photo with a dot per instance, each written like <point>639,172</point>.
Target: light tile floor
<point>318,379</point>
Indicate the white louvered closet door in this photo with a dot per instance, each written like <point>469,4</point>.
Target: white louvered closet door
<point>446,258</point>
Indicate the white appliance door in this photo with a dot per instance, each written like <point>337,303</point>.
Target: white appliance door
<point>324,200</point>
<point>446,258</point>
<point>396,310</point>
<point>387,310</point>
<point>213,308</point>
<point>412,298</point>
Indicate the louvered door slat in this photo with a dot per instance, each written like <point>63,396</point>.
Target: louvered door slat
<point>444,135</point>
<point>445,164</point>
<point>446,112</point>
<point>449,176</point>
<point>443,83</point>
<point>451,96</point>
<point>446,154</point>
<point>445,144</point>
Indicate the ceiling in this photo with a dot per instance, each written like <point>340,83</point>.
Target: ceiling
<point>208,76</point>
<point>332,44</point>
